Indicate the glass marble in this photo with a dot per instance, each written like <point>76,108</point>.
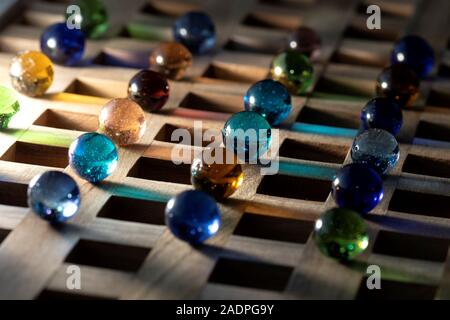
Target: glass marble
<point>196,31</point>
<point>149,89</point>
<point>416,53</point>
<point>378,148</point>
<point>31,73</point>
<point>341,234</point>
<point>382,113</point>
<point>305,40</point>
<point>358,187</point>
<point>270,99</point>
<point>193,216</point>
<point>93,17</point>
<point>93,156</point>
<point>123,120</point>
<point>294,70</point>
<point>63,45</point>
<point>248,134</point>
<point>171,59</point>
<point>54,196</point>
<point>399,83</point>
<point>9,106</point>
<point>218,177</point>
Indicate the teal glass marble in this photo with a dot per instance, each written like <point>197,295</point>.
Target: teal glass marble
<point>341,234</point>
<point>270,99</point>
<point>248,134</point>
<point>93,156</point>
<point>54,196</point>
<point>378,148</point>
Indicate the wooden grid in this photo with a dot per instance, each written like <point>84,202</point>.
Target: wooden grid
<point>264,249</point>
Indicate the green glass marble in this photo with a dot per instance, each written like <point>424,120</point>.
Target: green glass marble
<point>294,70</point>
<point>341,234</point>
<point>94,17</point>
<point>9,106</point>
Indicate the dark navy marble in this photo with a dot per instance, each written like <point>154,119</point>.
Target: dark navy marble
<point>270,99</point>
<point>196,31</point>
<point>54,196</point>
<point>63,45</point>
<point>382,113</point>
<point>416,53</point>
<point>358,187</point>
<point>193,216</point>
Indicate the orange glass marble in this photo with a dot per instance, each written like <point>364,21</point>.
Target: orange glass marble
<point>171,59</point>
<point>218,176</point>
<point>31,73</point>
<point>123,120</point>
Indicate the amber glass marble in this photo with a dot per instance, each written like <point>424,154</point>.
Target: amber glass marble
<point>123,121</point>
<point>218,176</point>
<point>400,83</point>
<point>171,59</point>
<point>31,73</point>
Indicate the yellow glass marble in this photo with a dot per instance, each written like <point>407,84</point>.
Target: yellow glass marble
<point>123,120</point>
<point>171,59</point>
<point>31,73</point>
<point>220,178</point>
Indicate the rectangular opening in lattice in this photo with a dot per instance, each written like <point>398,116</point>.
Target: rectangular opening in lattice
<point>439,98</point>
<point>342,86</point>
<point>270,20</point>
<point>250,274</point>
<point>37,154</point>
<point>97,88</point>
<point>3,234</point>
<point>68,120</point>
<point>426,166</point>
<point>434,131</point>
<point>236,73</point>
<point>424,204</point>
<point>328,118</point>
<point>136,210</point>
<point>312,151</point>
<point>212,102</point>
<point>295,187</point>
<point>13,194</point>
<point>274,228</point>
<point>411,246</point>
<point>166,132</point>
<point>396,290</point>
<point>240,45</point>
<point>107,255</point>
<point>161,170</point>
<point>53,295</point>
<point>123,58</point>
<point>168,8</point>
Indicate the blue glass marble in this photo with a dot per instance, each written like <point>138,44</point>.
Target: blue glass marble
<point>416,53</point>
<point>93,156</point>
<point>270,99</point>
<point>248,134</point>
<point>196,31</point>
<point>382,113</point>
<point>358,187</point>
<point>193,216</point>
<point>63,45</point>
<point>54,196</point>
<point>378,148</point>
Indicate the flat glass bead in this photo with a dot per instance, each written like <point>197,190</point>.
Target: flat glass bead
<point>54,196</point>
<point>294,70</point>
<point>171,59</point>
<point>416,53</point>
<point>123,121</point>
<point>305,40</point>
<point>149,89</point>
<point>270,99</point>
<point>63,45</point>
<point>220,177</point>
<point>377,148</point>
<point>93,17</point>
<point>248,134</point>
<point>193,216</point>
<point>341,234</point>
<point>9,106</point>
<point>196,31</point>
<point>93,156</point>
<point>31,73</point>
<point>382,113</point>
<point>358,187</point>
<point>399,83</point>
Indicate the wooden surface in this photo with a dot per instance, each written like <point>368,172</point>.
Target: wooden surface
<point>264,249</point>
